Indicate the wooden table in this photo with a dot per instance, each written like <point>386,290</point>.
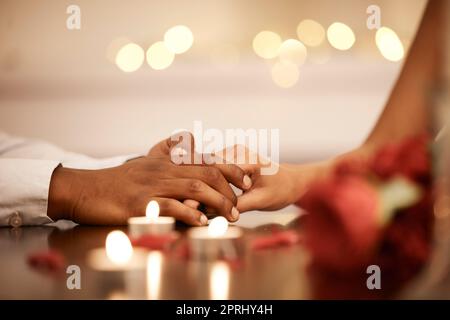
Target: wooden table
<point>266,274</point>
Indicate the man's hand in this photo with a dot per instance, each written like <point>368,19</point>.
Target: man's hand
<point>111,196</point>
<point>231,172</point>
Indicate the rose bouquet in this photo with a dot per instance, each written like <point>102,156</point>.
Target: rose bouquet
<point>373,212</point>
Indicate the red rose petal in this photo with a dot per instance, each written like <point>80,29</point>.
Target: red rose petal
<point>47,261</point>
<point>154,242</point>
<point>275,240</point>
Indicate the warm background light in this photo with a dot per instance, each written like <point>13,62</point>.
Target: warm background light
<point>340,36</point>
<point>159,57</point>
<point>65,75</point>
<point>285,74</point>
<point>267,44</point>
<point>178,39</point>
<point>389,44</point>
<point>293,51</point>
<point>130,57</point>
<point>311,33</point>
<point>225,55</point>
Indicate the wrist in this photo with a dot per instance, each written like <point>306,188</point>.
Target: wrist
<point>62,193</point>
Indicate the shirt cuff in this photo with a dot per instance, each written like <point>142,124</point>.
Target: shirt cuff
<point>24,186</point>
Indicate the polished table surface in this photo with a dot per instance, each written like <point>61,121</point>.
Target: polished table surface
<point>277,273</point>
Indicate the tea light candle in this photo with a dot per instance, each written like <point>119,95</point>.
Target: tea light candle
<point>152,223</point>
<point>215,239</point>
<point>118,254</point>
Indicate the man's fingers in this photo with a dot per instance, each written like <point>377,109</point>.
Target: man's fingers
<point>191,203</point>
<point>181,212</point>
<point>198,190</point>
<point>211,176</point>
<point>182,140</point>
<point>235,175</point>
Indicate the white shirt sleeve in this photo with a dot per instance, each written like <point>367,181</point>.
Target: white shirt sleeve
<point>26,167</point>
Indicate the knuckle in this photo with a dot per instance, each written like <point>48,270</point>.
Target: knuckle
<point>195,186</point>
<point>212,173</point>
<point>194,217</point>
<point>226,204</point>
<point>234,199</point>
<point>237,172</point>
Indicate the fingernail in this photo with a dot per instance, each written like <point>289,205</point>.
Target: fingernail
<point>235,213</point>
<point>247,182</point>
<point>203,220</point>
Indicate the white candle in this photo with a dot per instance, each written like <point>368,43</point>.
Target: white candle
<point>152,223</point>
<point>118,254</point>
<point>215,239</point>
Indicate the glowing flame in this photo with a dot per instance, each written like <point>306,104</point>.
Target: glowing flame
<point>118,247</point>
<point>217,227</point>
<point>152,210</point>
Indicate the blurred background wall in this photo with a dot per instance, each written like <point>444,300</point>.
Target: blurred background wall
<point>64,86</point>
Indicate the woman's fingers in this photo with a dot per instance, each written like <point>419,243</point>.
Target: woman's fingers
<point>181,212</point>
<point>251,200</point>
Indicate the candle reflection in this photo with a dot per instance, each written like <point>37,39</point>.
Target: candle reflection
<point>154,264</point>
<point>118,248</point>
<point>219,281</point>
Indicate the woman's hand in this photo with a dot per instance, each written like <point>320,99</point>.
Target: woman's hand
<point>273,192</point>
<point>111,196</point>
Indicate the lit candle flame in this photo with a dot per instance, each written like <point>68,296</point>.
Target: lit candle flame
<point>219,284</point>
<point>217,227</point>
<point>118,247</point>
<point>152,210</point>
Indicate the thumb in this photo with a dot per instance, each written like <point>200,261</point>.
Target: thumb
<point>183,140</point>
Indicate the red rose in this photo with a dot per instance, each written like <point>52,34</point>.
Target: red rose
<point>406,243</point>
<point>409,158</point>
<point>342,228</point>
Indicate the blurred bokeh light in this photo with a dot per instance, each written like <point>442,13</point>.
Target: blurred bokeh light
<point>311,33</point>
<point>178,39</point>
<point>285,74</point>
<point>389,44</point>
<point>267,44</point>
<point>159,57</point>
<point>293,51</point>
<point>340,36</point>
<point>130,57</point>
